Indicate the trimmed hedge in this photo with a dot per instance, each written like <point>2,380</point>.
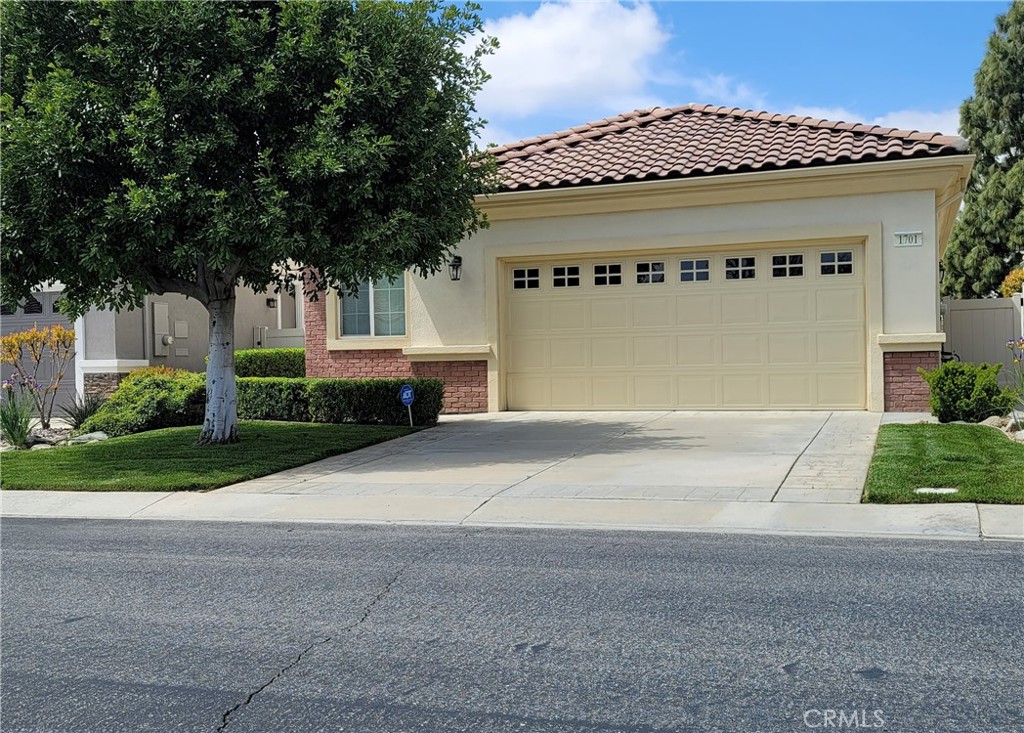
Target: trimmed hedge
<point>273,398</point>
<point>148,399</point>
<point>968,392</point>
<point>370,401</point>
<point>153,398</point>
<point>270,363</point>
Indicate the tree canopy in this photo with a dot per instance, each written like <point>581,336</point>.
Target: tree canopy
<point>988,238</point>
<point>191,146</point>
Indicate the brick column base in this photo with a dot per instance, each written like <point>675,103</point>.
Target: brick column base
<point>905,390</point>
<point>102,384</point>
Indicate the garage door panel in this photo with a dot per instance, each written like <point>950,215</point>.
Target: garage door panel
<point>697,350</point>
<point>610,392</point>
<point>569,393</point>
<point>789,348</point>
<point>790,390</point>
<point>649,312</point>
<point>743,390</point>
<point>652,351</point>
<point>568,315</point>
<point>742,309</point>
<point>792,342</point>
<point>609,352</point>
<point>839,347</point>
<point>653,392</point>
<point>526,316</point>
<point>742,349</point>
<point>698,391</point>
<point>529,354</point>
<point>839,305</point>
<point>836,389</point>
<point>568,353</point>
<point>696,311</point>
<point>789,307</point>
<point>609,313</point>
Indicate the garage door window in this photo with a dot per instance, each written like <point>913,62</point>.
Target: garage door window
<point>649,273</point>
<point>565,276</point>
<point>694,271</point>
<point>526,278</point>
<point>377,309</point>
<point>32,306</point>
<point>607,275</point>
<point>788,265</point>
<point>740,268</point>
<point>837,263</point>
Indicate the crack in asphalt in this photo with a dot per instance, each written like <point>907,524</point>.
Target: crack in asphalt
<point>226,715</point>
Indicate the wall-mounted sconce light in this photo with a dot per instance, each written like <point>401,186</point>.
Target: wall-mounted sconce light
<point>455,268</point>
<point>271,302</point>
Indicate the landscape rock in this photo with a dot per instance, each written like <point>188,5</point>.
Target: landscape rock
<point>88,438</point>
<point>41,446</point>
<point>995,421</point>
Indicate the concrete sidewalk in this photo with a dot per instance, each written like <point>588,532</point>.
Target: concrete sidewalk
<point>936,521</point>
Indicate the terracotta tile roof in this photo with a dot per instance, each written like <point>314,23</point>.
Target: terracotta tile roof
<point>702,140</point>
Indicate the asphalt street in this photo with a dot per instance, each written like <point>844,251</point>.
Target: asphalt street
<point>179,626</point>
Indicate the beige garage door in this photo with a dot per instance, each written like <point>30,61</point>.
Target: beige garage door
<point>768,328</point>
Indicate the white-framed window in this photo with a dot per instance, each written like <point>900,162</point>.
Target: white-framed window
<point>649,273</point>
<point>837,263</point>
<point>694,271</point>
<point>740,268</point>
<point>565,276</point>
<point>789,265</point>
<point>376,309</point>
<point>526,278</point>
<point>609,274</point>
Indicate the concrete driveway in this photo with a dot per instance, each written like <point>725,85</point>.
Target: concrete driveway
<point>698,456</point>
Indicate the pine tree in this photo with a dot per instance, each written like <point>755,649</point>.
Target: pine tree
<point>988,239</point>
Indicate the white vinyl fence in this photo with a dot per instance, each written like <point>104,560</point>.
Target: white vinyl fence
<point>977,330</point>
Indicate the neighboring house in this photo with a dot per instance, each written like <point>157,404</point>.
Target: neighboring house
<point>173,331</point>
<point>39,309</point>
<point>690,258</point>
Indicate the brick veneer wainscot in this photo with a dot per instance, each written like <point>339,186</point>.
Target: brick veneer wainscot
<point>102,384</point>
<point>905,390</point>
<point>465,382</point>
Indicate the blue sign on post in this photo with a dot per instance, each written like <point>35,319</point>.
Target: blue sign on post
<point>407,396</point>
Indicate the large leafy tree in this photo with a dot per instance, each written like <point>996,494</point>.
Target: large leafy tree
<point>988,238</point>
<point>190,147</point>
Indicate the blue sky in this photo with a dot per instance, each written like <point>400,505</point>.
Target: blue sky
<point>896,64</point>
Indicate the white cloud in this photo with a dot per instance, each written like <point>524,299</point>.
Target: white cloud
<point>944,121</point>
<point>572,55</point>
<point>724,90</point>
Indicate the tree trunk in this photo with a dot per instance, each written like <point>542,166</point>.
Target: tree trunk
<point>221,423</point>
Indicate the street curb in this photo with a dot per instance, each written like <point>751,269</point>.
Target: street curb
<point>948,521</point>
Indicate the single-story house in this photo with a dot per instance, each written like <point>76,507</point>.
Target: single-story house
<point>696,257</point>
<point>169,330</point>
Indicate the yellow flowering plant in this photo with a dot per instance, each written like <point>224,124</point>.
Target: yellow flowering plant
<point>40,358</point>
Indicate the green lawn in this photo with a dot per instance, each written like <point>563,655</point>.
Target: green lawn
<point>977,460</point>
<point>170,460</point>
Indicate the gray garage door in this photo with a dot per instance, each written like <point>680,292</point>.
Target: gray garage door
<point>39,310</point>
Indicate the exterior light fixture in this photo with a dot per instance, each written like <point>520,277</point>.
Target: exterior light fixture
<point>455,268</point>
<point>271,302</point>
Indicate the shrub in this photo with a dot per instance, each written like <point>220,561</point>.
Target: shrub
<point>369,401</point>
<point>964,391</point>
<point>15,416</point>
<point>1013,283</point>
<point>152,398</point>
<point>270,363</point>
<point>81,409</point>
<point>273,398</point>
<point>35,352</point>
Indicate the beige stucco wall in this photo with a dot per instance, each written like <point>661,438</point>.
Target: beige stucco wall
<point>866,204</point>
